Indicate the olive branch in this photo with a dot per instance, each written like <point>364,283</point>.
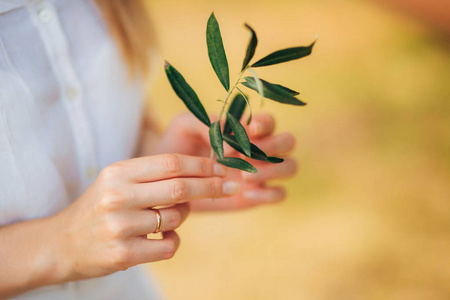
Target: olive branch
<point>234,133</point>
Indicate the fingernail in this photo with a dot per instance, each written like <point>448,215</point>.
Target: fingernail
<point>250,176</point>
<point>253,195</point>
<point>259,196</point>
<point>230,188</point>
<point>220,170</point>
<point>257,128</point>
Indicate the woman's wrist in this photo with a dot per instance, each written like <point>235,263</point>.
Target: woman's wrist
<point>30,256</point>
<point>51,267</point>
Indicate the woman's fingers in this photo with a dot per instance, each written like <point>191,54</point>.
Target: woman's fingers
<point>145,221</point>
<point>143,250</point>
<point>160,167</point>
<point>262,125</point>
<point>267,171</point>
<point>181,190</point>
<point>187,124</point>
<point>264,195</point>
<point>277,145</point>
<point>249,197</point>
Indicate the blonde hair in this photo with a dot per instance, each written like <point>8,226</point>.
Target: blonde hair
<point>129,23</point>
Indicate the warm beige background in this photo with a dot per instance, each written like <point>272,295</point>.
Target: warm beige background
<point>368,217</point>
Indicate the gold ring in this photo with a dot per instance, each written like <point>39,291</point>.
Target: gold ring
<point>158,220</point>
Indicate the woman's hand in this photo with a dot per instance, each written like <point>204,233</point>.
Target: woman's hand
<point>106,229</point>
<point>188,136</point>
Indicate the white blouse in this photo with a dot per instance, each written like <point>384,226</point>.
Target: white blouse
<point>67,110</point>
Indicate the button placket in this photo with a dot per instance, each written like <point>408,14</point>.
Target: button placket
<point>72,93</point>
<point>46,19</point>
<point>45,15</point>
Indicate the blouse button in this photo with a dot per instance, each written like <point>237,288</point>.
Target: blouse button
<point>72,93</point>
<point>45,15</point>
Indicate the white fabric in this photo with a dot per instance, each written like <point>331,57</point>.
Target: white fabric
<point>67,110</point>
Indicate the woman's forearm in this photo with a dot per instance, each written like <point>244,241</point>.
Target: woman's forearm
<point>29,256</point>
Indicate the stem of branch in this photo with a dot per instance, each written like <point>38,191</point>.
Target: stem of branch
<point>225,102</point>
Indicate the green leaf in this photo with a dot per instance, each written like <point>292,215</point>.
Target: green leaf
<point>215,137</point>
<point>257,153</point>
<point>186,93</point>
<point>250,48</point>
<point>216,52</point>
<point>274,160</point>
<point>284,55</point>
<point>275,92</point>
<point>250,115</point>
<point>258,83</point>
<point>237,163</point>
<point>287,90</point>
<point>239,133</point>
<point>236,109</point>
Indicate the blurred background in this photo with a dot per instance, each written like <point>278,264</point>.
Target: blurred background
<point>368,216</point>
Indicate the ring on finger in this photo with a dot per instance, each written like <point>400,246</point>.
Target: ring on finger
<point>158,220</point>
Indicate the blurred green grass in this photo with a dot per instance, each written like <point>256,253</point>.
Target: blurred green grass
<point>368,216</point>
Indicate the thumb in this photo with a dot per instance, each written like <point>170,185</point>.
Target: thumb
<point>186,124</point>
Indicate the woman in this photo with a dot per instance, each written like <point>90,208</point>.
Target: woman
<point>76,206</point>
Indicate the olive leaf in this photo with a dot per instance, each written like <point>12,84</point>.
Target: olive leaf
<point>215,138</point>
<point>256,153</point>
<point>240,134</point>
<point>274,92</point>
<point>216,52</point>
<point>284,89</point>
<point>236,109</point>
<point>284,55</point>
<point>250,48</point>
<point>258,84</point>
<point>250,115</point>
<point>234,133</point>
<point>186,93</point>
<point>274,160</point>
<point>237,163</point>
